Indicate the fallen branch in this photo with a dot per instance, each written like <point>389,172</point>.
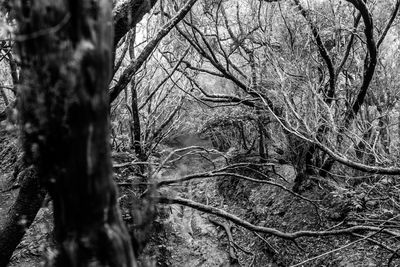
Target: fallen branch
<point>217,173</point>
<point>272,231</point>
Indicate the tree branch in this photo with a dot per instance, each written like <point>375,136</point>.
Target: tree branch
<point>134,66</point>
<point>267,230</point>
<point>389,24</point>
<point>371,57</point>
<point>127,13</point>
<point>323,52</point>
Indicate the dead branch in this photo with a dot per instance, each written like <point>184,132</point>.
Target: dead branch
<point>322,50</point>
<point>389,24</point>
<point>133,67</point>
<point>218,173</point>
<point>272,231</point>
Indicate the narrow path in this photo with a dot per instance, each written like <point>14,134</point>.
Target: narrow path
<point>189,237</point>
<point>192,240</point>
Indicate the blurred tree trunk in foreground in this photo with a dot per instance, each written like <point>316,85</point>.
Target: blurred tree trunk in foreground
<point>65,48</point>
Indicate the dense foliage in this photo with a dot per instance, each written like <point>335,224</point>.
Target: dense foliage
<point>274,121</point>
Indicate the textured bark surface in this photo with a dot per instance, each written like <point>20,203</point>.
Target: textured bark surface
<point>66,57</point>
<point>11,235</point>
<point>128,13</point>
<point>21,214</point>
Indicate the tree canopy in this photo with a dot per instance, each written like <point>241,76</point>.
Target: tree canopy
<point>255,114</point>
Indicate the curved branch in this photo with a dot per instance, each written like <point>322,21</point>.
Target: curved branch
<point>371,58</point>
<point>272,231</point>
<point>370,64</point>
<point>323,52</point>
<point>389,24</point>
<point>147,51</point>
<point>228,75</point>
<point>335,156</point>
<point>218,173</point>
<point>349,45</point>
<point>151,95</point>
<point>357,165</point>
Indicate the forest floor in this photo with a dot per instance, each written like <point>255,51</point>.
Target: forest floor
<point>187,237</point>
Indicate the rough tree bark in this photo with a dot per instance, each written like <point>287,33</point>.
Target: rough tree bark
<point>129,11</point>
<point>24,210</point>
<point>65,48</point>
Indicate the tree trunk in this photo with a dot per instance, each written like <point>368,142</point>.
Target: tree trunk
<point>135,124</point>
<point>25,208</point>
<point>261,145</point>
<point>66,49</point>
